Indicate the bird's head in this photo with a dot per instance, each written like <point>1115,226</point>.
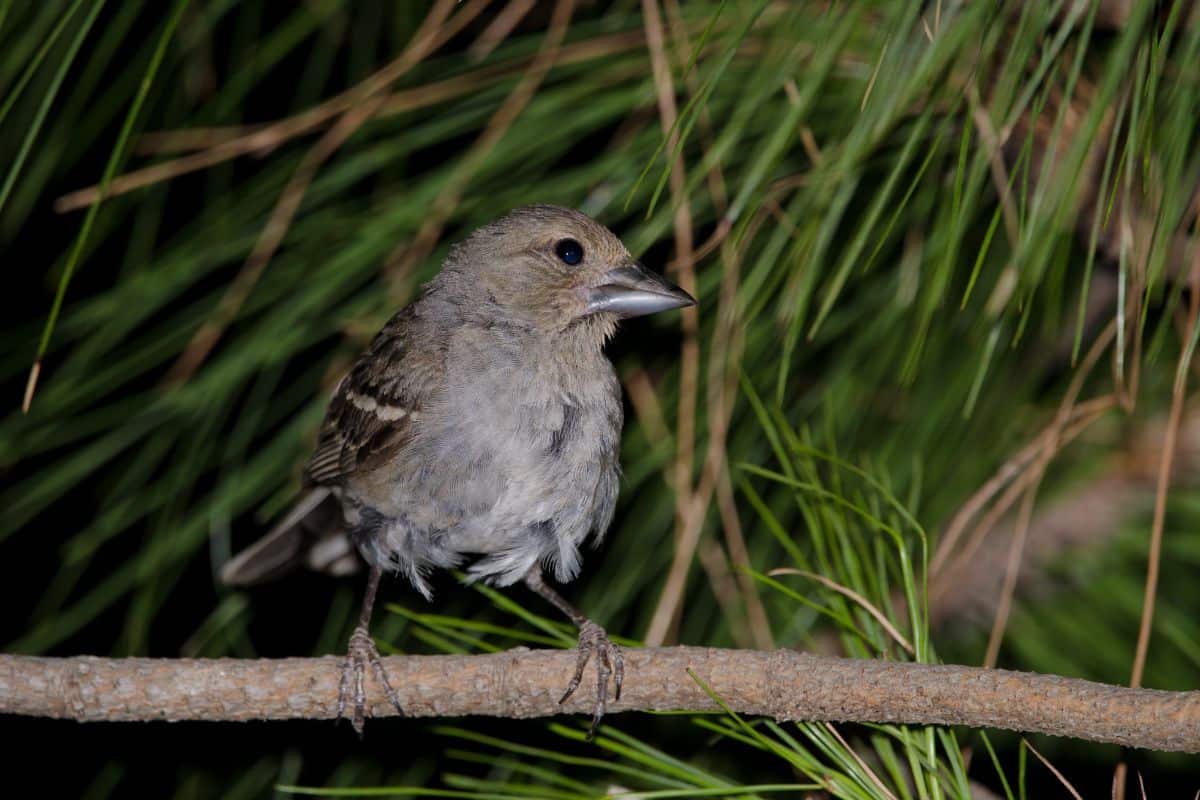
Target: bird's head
<point>556,269</point>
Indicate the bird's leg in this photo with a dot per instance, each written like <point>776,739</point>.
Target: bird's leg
<point>592,639</point>
<point>362,651</point>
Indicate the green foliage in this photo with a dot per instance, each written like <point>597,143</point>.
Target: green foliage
<point>884,319</point>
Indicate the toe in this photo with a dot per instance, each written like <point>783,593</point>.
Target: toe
<point>585,653</point>
<point>618,672</point>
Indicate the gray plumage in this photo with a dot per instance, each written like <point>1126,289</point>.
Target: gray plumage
<point>482,426</point>
<point>503,445</point>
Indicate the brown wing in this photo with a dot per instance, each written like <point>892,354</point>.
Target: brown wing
<point>373,409</point>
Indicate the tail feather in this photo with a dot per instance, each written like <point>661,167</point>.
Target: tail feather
<point>312,535</point>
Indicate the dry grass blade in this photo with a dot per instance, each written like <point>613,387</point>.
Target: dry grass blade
<point>1038,471</point>
<point>687,528</point>
<point>1170,442</point>
<point>424,41</point>
<point>945,596</point>
<point>644,399</point>
<point>30,386</point>
<point>273,233</point>
<point>760,624</point>
<point>726,351</point>
<point>174,141</point>
<point>1011,569</point>
<point>402,260</point>
<point>499,28</point>
<point>995,153</point>
<point>861,764</point>
<point>260,142</point>
<point>1014,470</point>
<point>263,139</point>
<point>1042,448</point>
<point>725,589</point>
<point>849,593</point>
<point>1052,768</point>
<point>686,543</point>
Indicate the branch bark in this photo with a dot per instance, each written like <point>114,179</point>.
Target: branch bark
<point>782,684</point>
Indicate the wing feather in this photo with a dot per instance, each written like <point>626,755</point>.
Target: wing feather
<point>372,412</point>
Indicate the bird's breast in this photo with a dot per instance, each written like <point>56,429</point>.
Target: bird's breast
<point>530,441</point>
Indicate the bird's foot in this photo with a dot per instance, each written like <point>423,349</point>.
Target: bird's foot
<point>362,651</point>
<point>593,640</point>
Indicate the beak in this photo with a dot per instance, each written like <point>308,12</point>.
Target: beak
<point>632,291</point>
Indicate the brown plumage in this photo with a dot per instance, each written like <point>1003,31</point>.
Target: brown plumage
<point>483,424</point>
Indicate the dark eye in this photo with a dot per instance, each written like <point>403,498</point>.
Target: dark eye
<point>570,251</point>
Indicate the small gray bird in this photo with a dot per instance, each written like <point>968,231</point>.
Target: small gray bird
<point>483,422</point>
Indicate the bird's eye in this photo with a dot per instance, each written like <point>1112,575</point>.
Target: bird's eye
<point>570,251</point>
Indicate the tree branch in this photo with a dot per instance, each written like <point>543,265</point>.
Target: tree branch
<point>783,684</point>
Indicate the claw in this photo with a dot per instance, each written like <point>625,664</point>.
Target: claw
<point>609,663</point>
<point>618,672</point>
<point>362,651</point>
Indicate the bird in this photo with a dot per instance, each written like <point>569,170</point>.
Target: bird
<point>480,429</point>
